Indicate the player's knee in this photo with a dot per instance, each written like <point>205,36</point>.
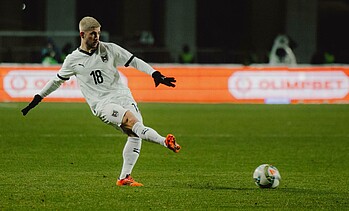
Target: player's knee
<point>129,120</point>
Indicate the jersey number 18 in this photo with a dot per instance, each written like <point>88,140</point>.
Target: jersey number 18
<point>97,76</point>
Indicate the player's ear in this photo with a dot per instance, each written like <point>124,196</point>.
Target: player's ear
<point>82,34</point>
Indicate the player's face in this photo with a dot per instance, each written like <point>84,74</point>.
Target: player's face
<point>91,38</point>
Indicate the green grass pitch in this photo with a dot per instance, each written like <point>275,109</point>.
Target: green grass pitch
<point>61,157</point>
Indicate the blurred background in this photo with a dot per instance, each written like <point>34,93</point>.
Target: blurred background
<point>158,31</point>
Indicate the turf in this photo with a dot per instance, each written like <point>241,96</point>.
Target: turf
<point>61,157</point>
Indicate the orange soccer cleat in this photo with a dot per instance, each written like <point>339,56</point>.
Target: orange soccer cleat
<point>171,143</point>
<point>128,181</point>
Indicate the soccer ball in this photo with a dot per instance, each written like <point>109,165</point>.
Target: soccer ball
<point>266,176</point>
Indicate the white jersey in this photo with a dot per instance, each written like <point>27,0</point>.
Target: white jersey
<point>97,74</point>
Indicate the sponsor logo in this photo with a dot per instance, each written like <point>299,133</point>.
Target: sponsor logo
<point>26,83</point>
<point>288,84</point>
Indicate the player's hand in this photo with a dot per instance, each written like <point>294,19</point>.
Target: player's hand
<point>36,100</point>
<point>161,79</point>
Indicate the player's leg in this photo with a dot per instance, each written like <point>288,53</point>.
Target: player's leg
<point>113,114</point>
<point>130,156</point>
<point>133,123</point>
<point>127,120</point>
<point>132,147</point>
<point>144,132</point>
<point>133,117</point>
<point>148,133</point>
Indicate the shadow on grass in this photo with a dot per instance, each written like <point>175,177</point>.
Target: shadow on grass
<point>216,187</point>
<point>286,190</point>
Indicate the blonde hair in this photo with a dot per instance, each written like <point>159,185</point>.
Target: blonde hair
<point>88,24</point>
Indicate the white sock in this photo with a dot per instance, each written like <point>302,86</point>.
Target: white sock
<point>130,154</point>
<point>148,134</point>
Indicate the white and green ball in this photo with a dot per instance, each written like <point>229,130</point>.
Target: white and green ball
<point>267,176</point>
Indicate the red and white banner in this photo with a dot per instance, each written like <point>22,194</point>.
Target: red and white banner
<point>24,83</point>
<point>291,85</point>
<point>197,84</point>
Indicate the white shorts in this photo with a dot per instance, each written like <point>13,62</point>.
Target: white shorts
<point>113,113</point>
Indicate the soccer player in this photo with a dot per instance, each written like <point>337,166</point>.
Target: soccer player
<point>94,64</point>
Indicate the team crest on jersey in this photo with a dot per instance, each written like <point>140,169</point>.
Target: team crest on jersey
<point>104,58</point>
<point>115,113</point>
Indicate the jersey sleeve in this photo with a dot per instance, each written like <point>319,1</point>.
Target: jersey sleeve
<point>51,86</point>
<point>63,75</point>
<point>125,58</point>
<point>122,56</point>
<point>66,70</point>
<point>141,65</point>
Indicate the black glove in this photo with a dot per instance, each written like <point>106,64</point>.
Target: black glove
<point>160,79</point>
<point>36,100</point>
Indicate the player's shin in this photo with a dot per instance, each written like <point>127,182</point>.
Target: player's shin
<point>130,154</point>
<point>148,134</point>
